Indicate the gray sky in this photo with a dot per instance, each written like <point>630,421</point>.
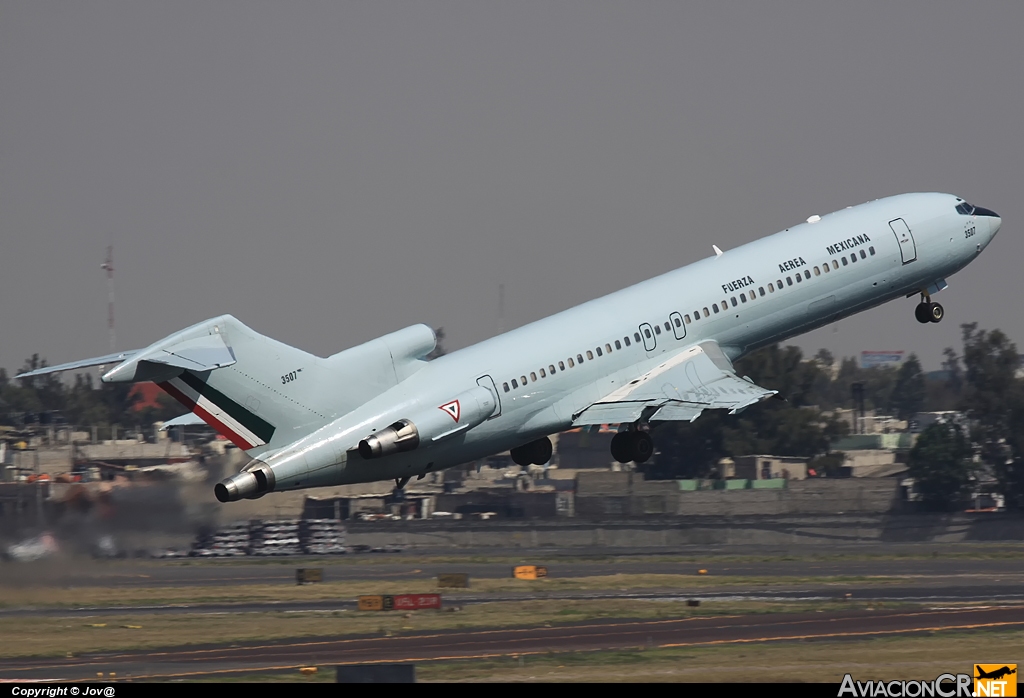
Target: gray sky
<point>329,172</point>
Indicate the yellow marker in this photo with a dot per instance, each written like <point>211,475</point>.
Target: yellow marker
<point>133,627</point>
<point>97,625</point>
<point>99,674</point>
<point>702,571</point>
<point>307,670</point>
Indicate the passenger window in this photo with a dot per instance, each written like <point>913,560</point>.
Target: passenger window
<point>845,262</point>
<point>579,358</point>
<point>734,303</point>
<point>678,323</point>
<point>761,291</point>
<point>771,288</point>
<point>657,329</point>
<point>608,348</point>
<point>551,369</point>
<point>598,352</point>
<point>824,267</point>
<point>542,374</point>
<point>835,264</point>
<point>668,327</point>
<point>863,255</point>
<point>522,379</point>
<point>636,336</point>
<point>714,306</point>
<point>687,318</point>
<point>590,355</point>
<point>618,344</point>
<point>706,313</point>
<point>505,386</point>
<point>789,280</point>
<point>871,250</point>
<point>853,258</point>
<point>514,384</point>
<point>626,340</point>
<point>571,364</point>
<point>561,366</point>
<point>817,272</point>
<point>807,273</point>
<point>743,297</point>
<point>779,284</point>
<point>798,279</point>
<point>647,333</point>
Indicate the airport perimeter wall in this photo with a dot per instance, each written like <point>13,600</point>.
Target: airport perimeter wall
<point>778,531</point>
<point>609,494</point>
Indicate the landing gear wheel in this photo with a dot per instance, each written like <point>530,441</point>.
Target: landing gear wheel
<point>642,446</point>
<point>923,312</point>
<point>622,447</point>
<point>540,451</point>
<point>521,455</point>
<point>935,312</point>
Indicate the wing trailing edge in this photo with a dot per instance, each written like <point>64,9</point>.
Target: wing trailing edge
<point>678,389</point>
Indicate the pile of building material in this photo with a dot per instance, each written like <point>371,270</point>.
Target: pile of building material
<point>322,537</point>
<point>274,538</point>
<point>230,541</point>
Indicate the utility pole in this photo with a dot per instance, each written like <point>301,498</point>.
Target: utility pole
<point>109,267</point>
<point>501,308</point>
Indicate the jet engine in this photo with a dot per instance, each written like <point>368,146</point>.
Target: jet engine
<point>255,480</point>
<point>467,410</point>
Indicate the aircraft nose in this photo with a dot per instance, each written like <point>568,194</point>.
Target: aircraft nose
<point>994,221</point>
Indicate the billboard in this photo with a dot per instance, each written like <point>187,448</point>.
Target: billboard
<point>870,359</point>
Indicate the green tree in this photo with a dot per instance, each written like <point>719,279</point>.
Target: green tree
<point>941,466</point>
<point>908,393</point>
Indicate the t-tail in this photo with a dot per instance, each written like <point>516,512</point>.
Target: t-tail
<point>259,393</point>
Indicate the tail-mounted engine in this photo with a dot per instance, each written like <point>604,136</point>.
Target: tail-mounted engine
<point>430,425</point>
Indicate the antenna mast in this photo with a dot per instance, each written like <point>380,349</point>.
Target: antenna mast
<point>109,267</point>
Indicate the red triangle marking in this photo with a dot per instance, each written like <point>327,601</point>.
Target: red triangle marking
<point>453,408</point>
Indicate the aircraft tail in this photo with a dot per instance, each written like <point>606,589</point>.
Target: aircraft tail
<point>260,393</point>
<point>273,393</point>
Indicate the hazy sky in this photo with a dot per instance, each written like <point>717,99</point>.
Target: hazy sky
<point>328,172</point>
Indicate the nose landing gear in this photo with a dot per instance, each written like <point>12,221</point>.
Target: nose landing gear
<point>926,311</point>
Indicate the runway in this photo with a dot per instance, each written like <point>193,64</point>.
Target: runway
<point>241,658</point>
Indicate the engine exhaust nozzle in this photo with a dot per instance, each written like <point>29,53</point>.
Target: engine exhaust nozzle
<point>255,480</point>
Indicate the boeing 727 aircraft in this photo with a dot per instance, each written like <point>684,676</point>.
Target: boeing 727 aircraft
<point>661,350</point>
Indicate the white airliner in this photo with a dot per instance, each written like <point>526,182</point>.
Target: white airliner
<point>661,350</point>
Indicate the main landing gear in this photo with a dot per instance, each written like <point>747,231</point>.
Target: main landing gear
<point>926,311</point>
<point>632,446</point>
<point>534,453</point>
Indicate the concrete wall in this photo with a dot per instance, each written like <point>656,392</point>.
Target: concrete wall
<point>739,531</point>
<point>602,495</point>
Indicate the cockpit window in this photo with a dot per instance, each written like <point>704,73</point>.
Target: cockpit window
<point>965,209</point>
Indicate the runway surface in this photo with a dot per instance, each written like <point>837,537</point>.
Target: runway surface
<point>478,644</point>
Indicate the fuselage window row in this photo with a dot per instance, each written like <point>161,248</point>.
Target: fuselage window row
<point>686,319</point>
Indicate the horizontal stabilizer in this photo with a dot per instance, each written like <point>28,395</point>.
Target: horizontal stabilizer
<point>199,354</point>
<point>186,420</point>
<point>84,363</point>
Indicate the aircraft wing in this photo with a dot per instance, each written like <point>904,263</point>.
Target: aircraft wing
<point>678,389</point>
<point>84,363</point>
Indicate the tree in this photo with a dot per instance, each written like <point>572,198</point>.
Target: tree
<point>908,393</point>
<point>940,464</point>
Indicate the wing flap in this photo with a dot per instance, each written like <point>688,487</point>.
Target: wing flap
<point>678,389</point>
